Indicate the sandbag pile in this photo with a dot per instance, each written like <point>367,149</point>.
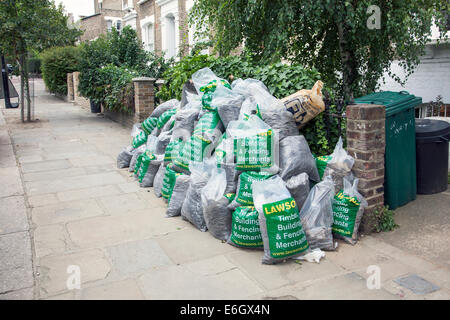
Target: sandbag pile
<point>230,159</point>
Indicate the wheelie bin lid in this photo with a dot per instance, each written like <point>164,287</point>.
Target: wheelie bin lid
<point>431,129</point>
<point>393,101</point>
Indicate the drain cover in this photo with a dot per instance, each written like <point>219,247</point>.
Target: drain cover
<point>417,284</point>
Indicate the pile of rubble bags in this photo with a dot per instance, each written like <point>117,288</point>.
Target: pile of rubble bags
<point>230,160</point>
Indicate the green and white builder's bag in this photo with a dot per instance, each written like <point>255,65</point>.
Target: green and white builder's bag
<point>149,124</point>
<point>348,210</point>
<point>279,219</point>
<point>159,179</point>
<point>178,195</point>
<point>172,150</point>
<point>339,166</point>
<point>214,203</point>
<point>317,216</point>
<point>321,163</point>
<point>163,107</point>
<point>136,154</point>
<point>245,228</point>
<point>169,180</point>
<point>204,139</point>
<point>165,117</point>
<point>255,145</point>
<point>139,136</point>
<point>244,194</point>
<point>147,175</point>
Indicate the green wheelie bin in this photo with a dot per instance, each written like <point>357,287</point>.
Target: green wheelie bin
<point>400,183</point>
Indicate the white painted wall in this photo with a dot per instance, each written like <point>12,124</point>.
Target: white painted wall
<point>431,78</point>
<point>170,26</point>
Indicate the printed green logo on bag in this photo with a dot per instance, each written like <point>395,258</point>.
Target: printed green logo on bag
<point>149,124</point>
<point>139,139</point>
<point>284,228</point>
<point>207,122</point>
<point>162,120</point>
<point>254,152</point>
<point>172,150</point>
<point>169,180</point>
<point>246,179</point>
<point>345,209</point>
<point>146,158</point>
<point>245,231</point>
<point>209,90</point>
<point>192,151</point>
<point>321,163</point>
<point>230,196</point>
<point>138,163</point>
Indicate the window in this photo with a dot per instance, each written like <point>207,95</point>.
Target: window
<point>109,25</point>
<point>170,36</point>
<point>126,4</point>
<point>118,25</point>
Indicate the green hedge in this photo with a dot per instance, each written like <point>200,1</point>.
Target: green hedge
<point>56,63</point>
<point>281,79</point>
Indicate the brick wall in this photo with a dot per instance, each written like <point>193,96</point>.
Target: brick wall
<point>96,25</point>
<point>144,97</point>
<point>125,119</point>
<point>78,99</point>
<point>366,143</point>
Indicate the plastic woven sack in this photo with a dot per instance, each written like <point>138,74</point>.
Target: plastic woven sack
<point>279,220</point>
<point>202,77</point>
<point>317,215</point>
<point>192,209</point>
<point>165,117</point>
<point>259,92</point>
<point>339,166</point>
<point>163,107</point>
<point>178,195</point>
<point>227,103</point>
<point>282,122</point>
<point>348,210</point>
<point>209,92</point>
<point>172,150</point>
<point>139,139</point>
<point>136,153</point>
<point>163,140</point>
<point>214,203</point>
<point>249,107</point>
<point>244,194</point>
<point>188,91</point>
<point>321,163</point>
<point>200,145</point>
<point>159,179</point>
<point>149,124</point>
<point>255,145</point>
<point>124,158</point>
<point>296,158</point>
<point>152,168</point>
<point>185,120</point>
<point>169,180</point>
<point>298,186</point>
<point>305,104</point>
<point>245,228</point>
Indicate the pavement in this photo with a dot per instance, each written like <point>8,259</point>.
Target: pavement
<point>73,226</point>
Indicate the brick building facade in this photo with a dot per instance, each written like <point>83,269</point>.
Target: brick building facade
<point>162,25</point>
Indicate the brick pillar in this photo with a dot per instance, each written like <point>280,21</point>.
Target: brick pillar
<point>144,97</point>
<point>76,81</point>
<point>159,84</point>
<point>70,96</point>
<point>366,143</point>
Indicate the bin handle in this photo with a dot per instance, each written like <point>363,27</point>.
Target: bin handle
<point>404,92</point>
<point>445,139</point>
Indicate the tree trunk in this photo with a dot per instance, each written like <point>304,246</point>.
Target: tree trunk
<point>27,90</point>
<point>348,63</point>
<point>22,87</point>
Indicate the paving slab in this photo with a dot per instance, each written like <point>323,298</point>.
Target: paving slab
<point>213,279</point>
<point>16,270</point>
<point>13,215</point>
<point>121,204</point>
<point>23,294</point>
<point>120,290</point>
<point>10,182</point>
<point>89,193</point>
<point>65,211</point>
<point>137,256</point>
<point>53,175</point>
<point>48,165</point>
<point>111,230</point>
<point>417,284</point>
<point>53,278</point>
<point>7,157</point>
<point>50,240</point>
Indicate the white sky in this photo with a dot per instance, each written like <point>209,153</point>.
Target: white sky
<point>78,7</point>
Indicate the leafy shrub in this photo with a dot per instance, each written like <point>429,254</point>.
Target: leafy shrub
<point>117,88</point>
<point>281,80</point>
<point>384,219</point>
<point>108,65</point>
<point>34,65</point>
<point>56,63</point>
